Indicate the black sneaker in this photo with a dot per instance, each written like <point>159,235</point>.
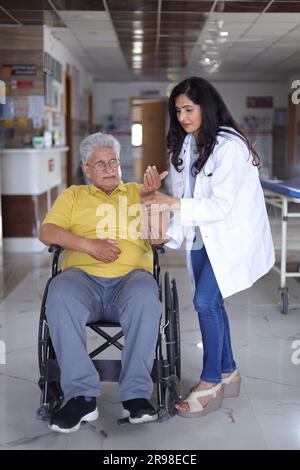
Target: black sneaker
<point>139,410</point>
<point>68,418</point>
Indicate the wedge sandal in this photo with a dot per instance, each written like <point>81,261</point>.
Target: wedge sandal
<point>196,410</point>
<point>231,389</point>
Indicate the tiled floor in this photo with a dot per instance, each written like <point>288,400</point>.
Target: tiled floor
<point>265,416</point>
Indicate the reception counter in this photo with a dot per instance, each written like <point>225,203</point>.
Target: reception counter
<point>31,179</point>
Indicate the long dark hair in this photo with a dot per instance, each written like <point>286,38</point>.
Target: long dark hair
<point>215,115</point>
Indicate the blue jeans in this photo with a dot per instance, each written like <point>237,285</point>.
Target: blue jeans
<point>214,325</point>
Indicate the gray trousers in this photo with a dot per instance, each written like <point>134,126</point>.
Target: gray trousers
<point>76,298</point>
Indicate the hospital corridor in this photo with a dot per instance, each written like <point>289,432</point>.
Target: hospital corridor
<point>156,143</point>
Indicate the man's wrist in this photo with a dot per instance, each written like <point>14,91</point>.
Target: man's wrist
<point>83,244</point>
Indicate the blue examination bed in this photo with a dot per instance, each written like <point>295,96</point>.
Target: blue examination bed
<point>279,194</point>
<point>289,188</point>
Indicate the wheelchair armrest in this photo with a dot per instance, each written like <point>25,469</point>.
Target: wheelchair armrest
<point>55,249</point>
<point>158,249</point>
<point>156,268</point>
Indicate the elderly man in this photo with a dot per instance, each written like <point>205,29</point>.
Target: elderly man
<point>106,275</point>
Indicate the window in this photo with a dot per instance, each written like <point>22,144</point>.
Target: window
<point>136,134</point>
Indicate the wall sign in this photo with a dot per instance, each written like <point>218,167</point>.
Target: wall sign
<point>25,84</point>
<point>19,69</point>
<point>259,101</point>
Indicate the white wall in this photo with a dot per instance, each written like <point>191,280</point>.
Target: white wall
<point>104,92</point>
<point>57,50</point>
<point>295,76</point>
<point>82,82</point>
<point>234,94</point>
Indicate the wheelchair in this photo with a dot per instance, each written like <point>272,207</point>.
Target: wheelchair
<point>166,372</point>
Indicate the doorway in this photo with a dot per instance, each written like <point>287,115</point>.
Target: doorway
<point>149,144</point>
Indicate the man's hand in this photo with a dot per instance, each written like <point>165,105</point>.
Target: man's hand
<point>152,181</point>
<point>103,250</point>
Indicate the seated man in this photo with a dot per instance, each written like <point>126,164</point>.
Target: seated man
<point>106,275</point>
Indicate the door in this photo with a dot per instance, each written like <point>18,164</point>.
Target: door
<point>153,118</point>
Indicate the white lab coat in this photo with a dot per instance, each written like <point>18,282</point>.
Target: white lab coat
<point>229,209</point>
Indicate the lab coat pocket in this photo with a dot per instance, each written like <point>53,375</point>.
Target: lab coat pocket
<point>237,242</point>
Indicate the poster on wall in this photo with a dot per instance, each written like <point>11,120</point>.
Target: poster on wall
<point>19,69</point>
<point>258,126</point>
<point>20,106</point>
<point>122,131</point>
<point>7,109</point>
<point>36,106</point>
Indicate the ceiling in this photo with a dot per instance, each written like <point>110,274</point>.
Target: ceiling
<point>125,40</point>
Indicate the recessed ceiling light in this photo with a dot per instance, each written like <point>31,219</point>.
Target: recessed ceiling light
<point>137,50</point>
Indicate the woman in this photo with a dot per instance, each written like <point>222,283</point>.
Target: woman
<point>219,208</point>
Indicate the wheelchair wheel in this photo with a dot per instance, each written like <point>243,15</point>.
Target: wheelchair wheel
<point>43,333</point>
<point>170,327</point>
<point>171,395</point>
<point>176,330</point>
<point>53,395</point>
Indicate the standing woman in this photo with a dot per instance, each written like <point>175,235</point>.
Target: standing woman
<point>219,209</point>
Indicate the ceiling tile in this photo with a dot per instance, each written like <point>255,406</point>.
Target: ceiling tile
<point>25,5</point>
<point>241,6</point>
<point>287,7</point>
<point>186,5</point>
<point>90,5</point>
<point>132,5</point>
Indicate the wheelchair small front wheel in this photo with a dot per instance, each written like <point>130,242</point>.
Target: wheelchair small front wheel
<point>171,396</point>
<point>43,413</point>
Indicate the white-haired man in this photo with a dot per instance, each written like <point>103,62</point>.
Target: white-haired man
<point>106,275</point>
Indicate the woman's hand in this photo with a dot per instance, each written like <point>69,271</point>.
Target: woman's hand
<point>152,181</point>
<point>161,202</point>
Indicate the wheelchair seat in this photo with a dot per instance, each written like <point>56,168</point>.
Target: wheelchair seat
<point>167,364</point>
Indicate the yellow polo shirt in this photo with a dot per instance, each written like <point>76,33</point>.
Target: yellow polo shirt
<point>89,212</point>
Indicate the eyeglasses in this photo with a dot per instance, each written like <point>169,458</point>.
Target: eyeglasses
<point>101,165</point>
